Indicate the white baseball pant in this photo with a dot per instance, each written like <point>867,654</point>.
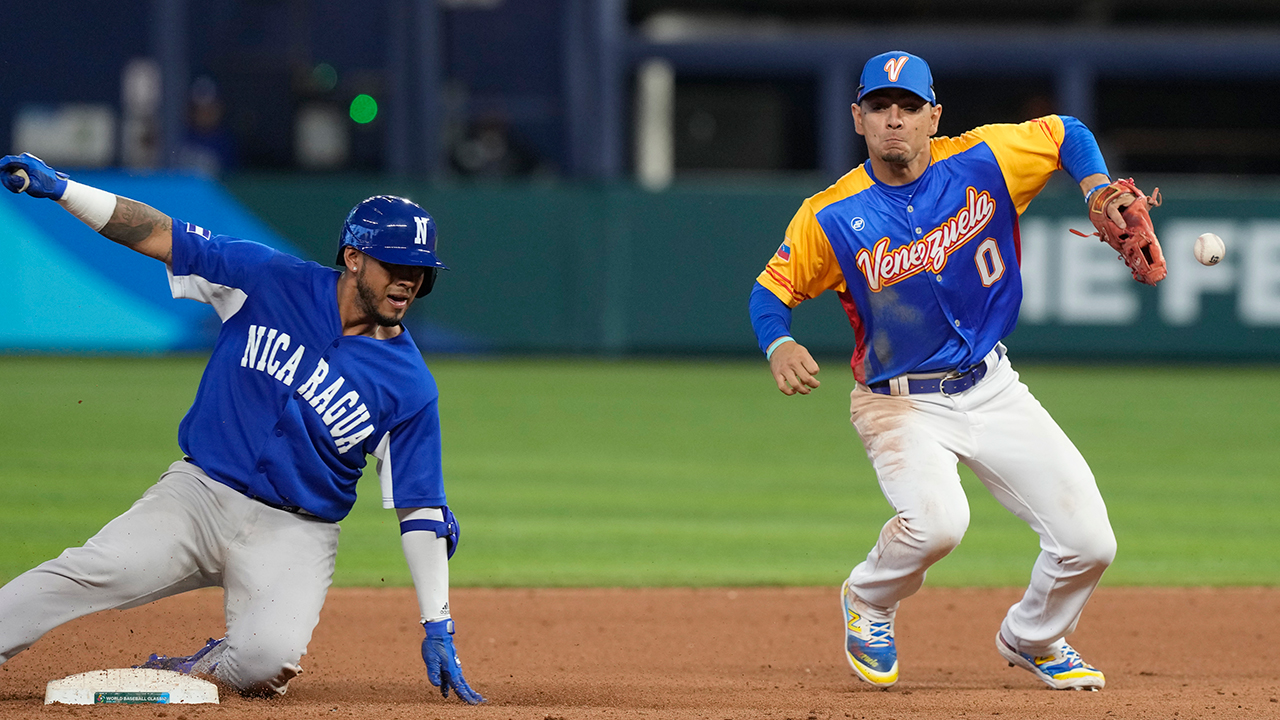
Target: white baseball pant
<point>1001,432</point>
<point>189,531</point>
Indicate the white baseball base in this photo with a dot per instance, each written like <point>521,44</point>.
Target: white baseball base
<point>130,686</point>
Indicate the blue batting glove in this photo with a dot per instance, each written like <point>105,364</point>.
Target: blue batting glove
<point>43,181</point>
<point>443,668</point>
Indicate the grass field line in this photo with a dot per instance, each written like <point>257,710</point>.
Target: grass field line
<point>585,472</point>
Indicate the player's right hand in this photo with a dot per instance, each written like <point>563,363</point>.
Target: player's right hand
<point>444,670</point>
<point>43,181</point>
<point>793,369</point>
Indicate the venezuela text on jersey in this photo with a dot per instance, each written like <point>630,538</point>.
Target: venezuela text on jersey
<point>883,267</point>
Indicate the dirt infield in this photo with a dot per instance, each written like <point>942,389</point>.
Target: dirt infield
<point>771,653</point>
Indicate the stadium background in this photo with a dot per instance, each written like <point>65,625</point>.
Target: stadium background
<point>649,528</point>
<point>608,178</point>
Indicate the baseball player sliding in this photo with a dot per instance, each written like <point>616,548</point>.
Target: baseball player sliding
<point>312,371</point>
<point>921,245</point>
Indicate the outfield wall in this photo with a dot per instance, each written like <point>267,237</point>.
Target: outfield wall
<point>615,270</point>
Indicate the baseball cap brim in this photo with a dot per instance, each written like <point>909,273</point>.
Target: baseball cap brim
<point>863,92</point>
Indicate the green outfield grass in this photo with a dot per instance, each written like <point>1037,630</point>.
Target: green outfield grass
<point>585,472</point>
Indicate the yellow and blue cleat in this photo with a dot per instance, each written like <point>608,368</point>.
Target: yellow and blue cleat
<point>868,645</point>
<point>1061,668</point>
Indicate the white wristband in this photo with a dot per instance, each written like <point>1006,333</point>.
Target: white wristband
<point>92,206</point>
<point>768,354</point>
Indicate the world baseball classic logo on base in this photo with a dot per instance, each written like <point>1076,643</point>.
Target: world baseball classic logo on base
<point>130,686</point>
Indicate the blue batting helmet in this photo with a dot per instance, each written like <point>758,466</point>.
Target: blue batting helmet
<point>393,230</point>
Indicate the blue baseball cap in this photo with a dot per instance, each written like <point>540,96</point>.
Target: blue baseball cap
<point>897,69</point>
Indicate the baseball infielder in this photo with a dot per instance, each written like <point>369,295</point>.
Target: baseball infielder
<point>921,245</point>
<point>312,371</point>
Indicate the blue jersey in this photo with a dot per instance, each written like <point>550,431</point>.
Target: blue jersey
<point>928,271</point>
<point>288,406</point>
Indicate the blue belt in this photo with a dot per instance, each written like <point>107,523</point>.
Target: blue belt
<point>952,383</point>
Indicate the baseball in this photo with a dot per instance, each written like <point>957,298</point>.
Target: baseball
<point>1209,249</point>
<point>25,180</point>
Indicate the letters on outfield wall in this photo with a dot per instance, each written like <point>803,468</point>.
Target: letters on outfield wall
<point>1079,281</point>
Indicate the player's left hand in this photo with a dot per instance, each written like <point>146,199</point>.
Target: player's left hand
<point>42,181</point>
<point>444,670</point>
<point>1120,212</point>
<point>1116,204</point>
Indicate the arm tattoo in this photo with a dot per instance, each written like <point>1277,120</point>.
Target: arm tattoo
<point>132,222</point>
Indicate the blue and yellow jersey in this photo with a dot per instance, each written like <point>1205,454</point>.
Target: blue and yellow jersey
<point>928,271</point>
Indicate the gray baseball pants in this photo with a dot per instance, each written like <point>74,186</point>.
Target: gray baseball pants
<point>189,531</point>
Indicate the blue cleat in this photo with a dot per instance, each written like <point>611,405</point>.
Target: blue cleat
<point>868,645</point>
<point>184,664</point>
<point>1061,669</point>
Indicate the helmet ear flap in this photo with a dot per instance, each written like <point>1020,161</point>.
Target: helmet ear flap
<point>428,281</point>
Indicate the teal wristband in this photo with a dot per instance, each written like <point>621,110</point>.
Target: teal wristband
<point>768,354</point>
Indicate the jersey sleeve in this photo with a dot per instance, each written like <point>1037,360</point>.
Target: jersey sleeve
<point>1028,154</point>
<point>218,259</point>
<point>1081,156</point>
<point>218,270</point>
<point>409,466</point>
<point>770,318</point>
<point>805,264</point>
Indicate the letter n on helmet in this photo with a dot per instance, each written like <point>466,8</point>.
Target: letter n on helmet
<point>396,231</point>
